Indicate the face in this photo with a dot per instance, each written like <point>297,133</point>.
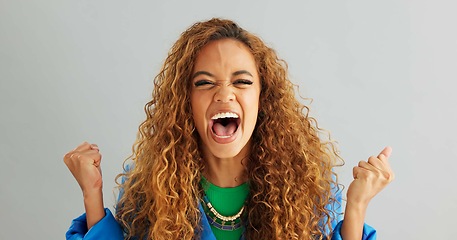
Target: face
<point>225,98</point>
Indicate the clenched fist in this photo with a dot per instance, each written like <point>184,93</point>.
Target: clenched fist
<point>84,163</point>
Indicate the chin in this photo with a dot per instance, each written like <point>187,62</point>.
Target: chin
<point>231,150</point>
<point>226,151</point>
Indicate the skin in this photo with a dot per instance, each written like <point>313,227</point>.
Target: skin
<point>225,67</point>
<point>370,177</point>
<point>84,163</point>
<point>225,79</point>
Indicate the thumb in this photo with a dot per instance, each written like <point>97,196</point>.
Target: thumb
<point>386,152</point>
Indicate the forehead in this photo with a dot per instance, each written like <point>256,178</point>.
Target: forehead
<point>227,54</point>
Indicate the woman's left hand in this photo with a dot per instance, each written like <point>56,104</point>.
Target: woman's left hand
<point>370,177</point>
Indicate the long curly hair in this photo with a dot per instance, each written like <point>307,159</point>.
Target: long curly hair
<point>289,168</point>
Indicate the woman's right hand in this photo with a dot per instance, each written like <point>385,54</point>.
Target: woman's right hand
<point>84,163</point>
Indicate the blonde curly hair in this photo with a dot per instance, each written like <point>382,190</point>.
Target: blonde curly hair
<point>289,168</point>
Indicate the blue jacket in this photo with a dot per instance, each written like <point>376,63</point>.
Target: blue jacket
<point>109,229</point>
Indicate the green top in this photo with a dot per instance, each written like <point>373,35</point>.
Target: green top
<point>228,202</point>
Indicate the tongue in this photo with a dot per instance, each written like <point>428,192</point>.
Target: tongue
<point>226,130</point>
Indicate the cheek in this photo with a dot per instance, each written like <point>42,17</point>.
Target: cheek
<point>251,103</point>
<point>198,111</point>
<point>194,108</point>
<point>254,100</point>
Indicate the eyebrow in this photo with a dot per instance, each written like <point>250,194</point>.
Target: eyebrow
<point>202,73</point>
<point>240,72</point>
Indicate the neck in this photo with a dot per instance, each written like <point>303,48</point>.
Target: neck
<point>226,172</point>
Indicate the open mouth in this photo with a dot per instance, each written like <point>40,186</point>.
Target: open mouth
<point>224,125</point>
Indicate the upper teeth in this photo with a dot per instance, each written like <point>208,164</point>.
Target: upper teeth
<point>225,115</point>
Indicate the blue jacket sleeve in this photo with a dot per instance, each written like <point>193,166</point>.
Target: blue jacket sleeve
<point>106,229</point>
<point>369,233</point>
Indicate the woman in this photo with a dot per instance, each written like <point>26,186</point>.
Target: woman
<point>226,152</point>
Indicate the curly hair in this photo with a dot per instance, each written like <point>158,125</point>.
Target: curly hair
<point>289,168</point>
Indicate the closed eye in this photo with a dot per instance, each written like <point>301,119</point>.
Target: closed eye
<point>200,83</point>
<point>242,82</point>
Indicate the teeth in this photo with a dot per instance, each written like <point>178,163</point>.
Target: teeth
<point>225,115</point>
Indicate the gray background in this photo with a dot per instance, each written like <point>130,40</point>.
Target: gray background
<point>380,73</point>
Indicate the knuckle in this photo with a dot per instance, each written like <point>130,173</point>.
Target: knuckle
<point>377,174</point>
<point>390,176</point>
<point>372,159</point>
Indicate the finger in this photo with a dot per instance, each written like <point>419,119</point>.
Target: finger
<point>70,156</point>
<point>386,152</point>
<point>94,147</point>
<point>83,146</point>
<point>385,160</point>
<point>376,162</point>
<point>97,157</point>
<point>99,170</point>
<point>97,161</point>
<point>94,155</point>
<point>355,171</point>
<point>66,157</point>
<point>387,170</point>
<point>86,157</point>
<point>383,171</point>
<point>368,166</point>
<point>359,172</point>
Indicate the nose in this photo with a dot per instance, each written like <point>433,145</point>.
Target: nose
<point>224,94</point>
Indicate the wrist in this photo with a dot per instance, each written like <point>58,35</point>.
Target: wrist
<point>93,203</point>
<point>354,218</point>
<point>93,200</point>
<point>92,193</point>
<point>356,206</point>
<point>358,203</point>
